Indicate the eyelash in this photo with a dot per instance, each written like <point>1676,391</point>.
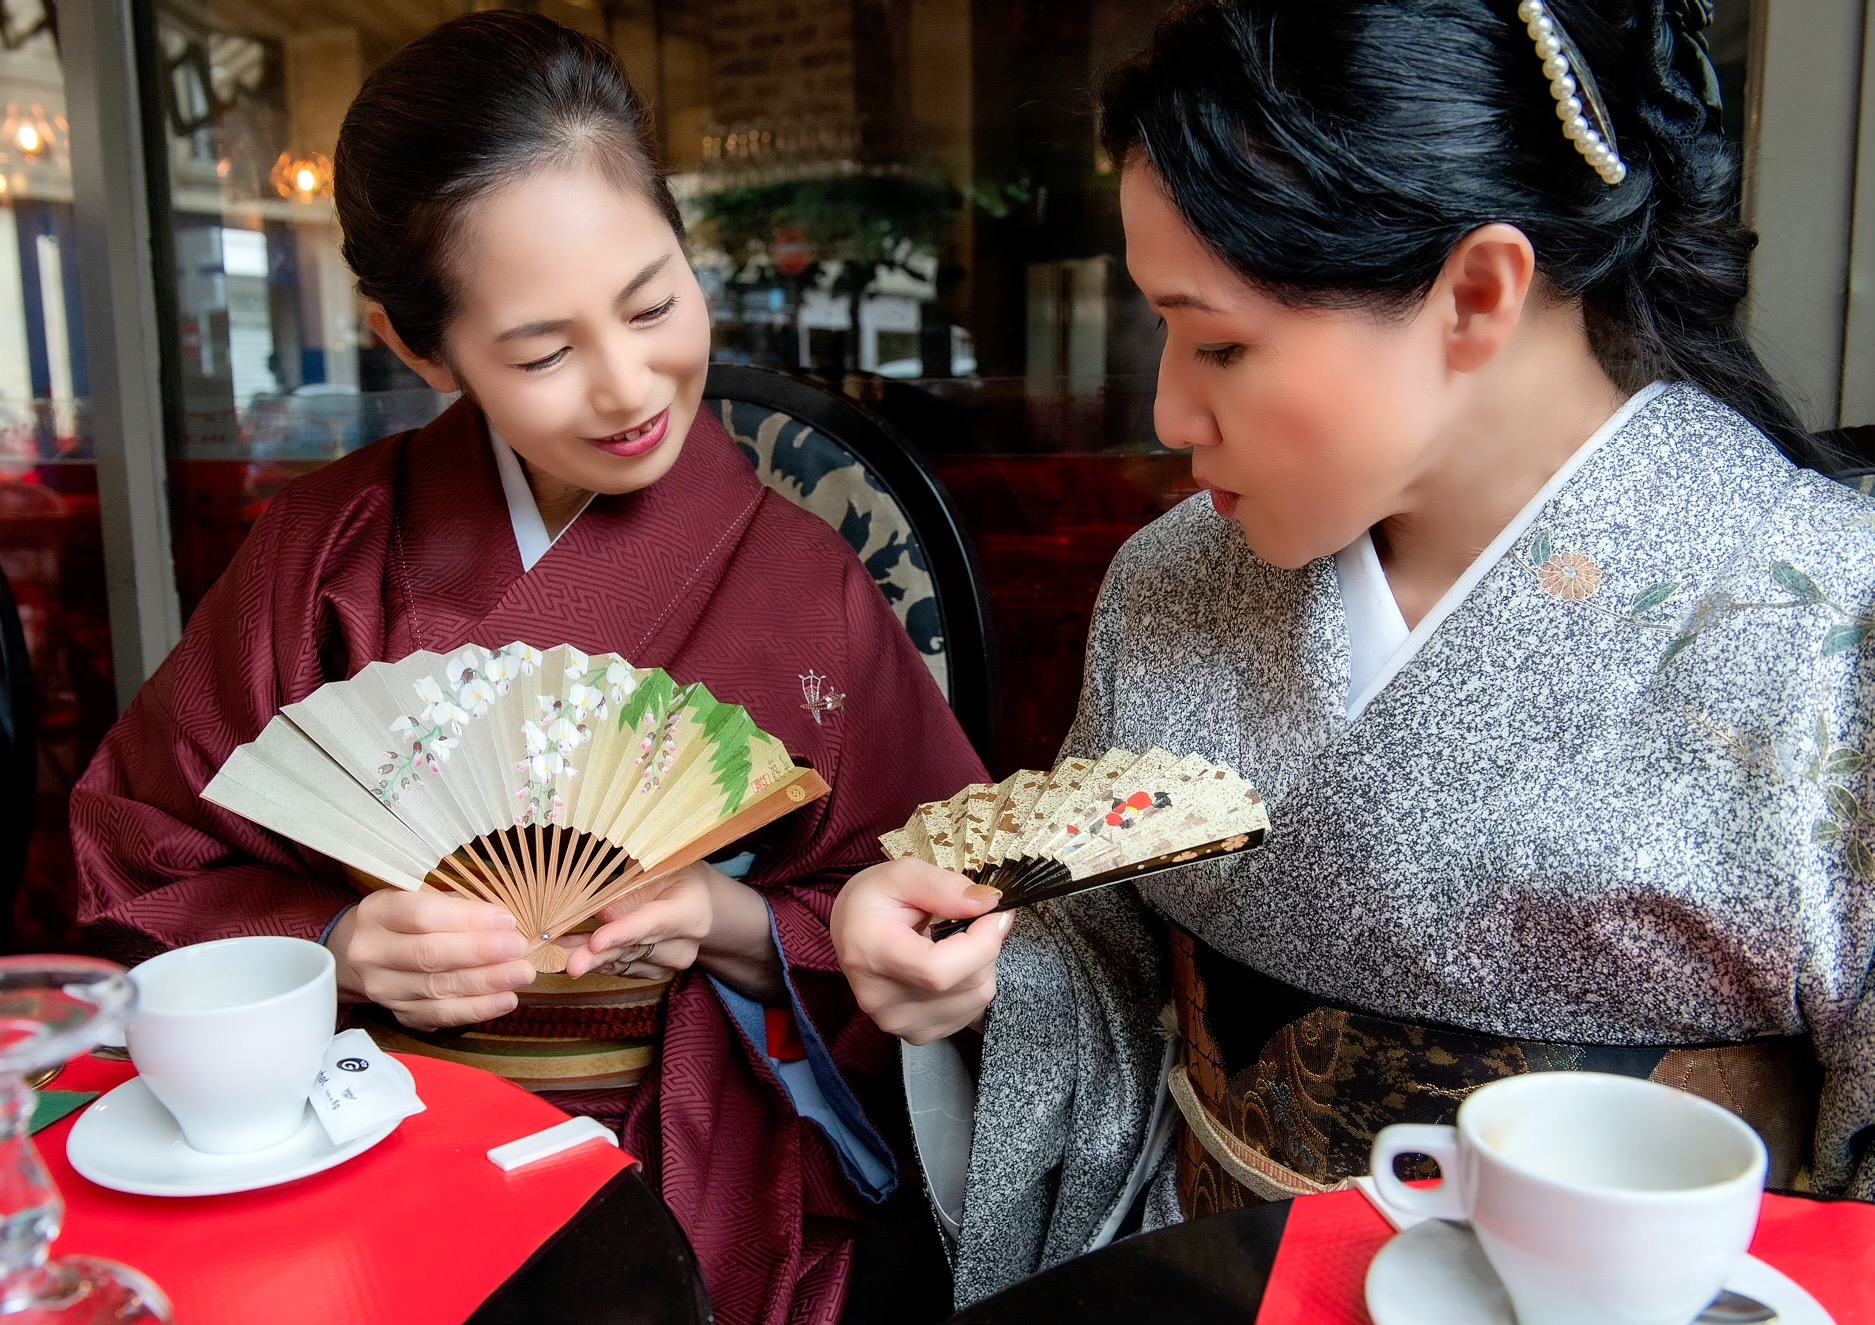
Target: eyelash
<point>542,365</point>
<point>647,318</point>
<point>657,314</point>
<point>1218,356</point>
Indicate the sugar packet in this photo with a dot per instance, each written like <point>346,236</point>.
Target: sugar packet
<point>360,1088</point>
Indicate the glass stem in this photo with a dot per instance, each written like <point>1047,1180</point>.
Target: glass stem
<point>30,1208</point>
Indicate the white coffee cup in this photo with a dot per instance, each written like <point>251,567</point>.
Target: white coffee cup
<point>1599,1200</point>
<point>229,1036</point>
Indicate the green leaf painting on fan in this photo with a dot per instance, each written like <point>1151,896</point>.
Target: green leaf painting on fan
<point>548,782</point>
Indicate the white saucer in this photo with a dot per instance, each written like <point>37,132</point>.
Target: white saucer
<point>1436,1274</point>
<point>129,1143</point>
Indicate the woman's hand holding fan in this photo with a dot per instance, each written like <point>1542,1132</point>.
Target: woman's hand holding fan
<point>918,937</point>
<point>432,960</point>
<point>911,987</point>
<point>657,931</point>
<point>1087,824</point>
<point>695,916</point>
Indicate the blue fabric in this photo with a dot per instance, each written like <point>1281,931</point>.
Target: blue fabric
<point>816,1088</point>
<point>326,933</point>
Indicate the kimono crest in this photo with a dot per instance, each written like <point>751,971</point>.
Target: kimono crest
<point>819,698</point>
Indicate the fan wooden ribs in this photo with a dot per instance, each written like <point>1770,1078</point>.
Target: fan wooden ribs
<point>1087,824</point>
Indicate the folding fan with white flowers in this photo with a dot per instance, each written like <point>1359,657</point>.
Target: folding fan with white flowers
<point>552,784</point>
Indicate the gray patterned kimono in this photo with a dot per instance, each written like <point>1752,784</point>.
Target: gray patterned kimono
<point>1624,794</point>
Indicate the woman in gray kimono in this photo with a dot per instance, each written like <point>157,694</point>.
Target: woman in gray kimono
<point>1514,590</point>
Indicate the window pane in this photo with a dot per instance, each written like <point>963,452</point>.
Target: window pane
<point>278,372</point>
<point>50,544</point>
<point>903,197</point>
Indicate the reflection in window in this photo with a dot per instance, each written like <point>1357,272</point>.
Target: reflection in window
<point>903,197</point>
<point>50,541</point>
<point>278,373</point>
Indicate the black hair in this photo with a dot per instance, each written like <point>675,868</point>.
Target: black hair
<point>475,104</point>
<point>1335,152</point>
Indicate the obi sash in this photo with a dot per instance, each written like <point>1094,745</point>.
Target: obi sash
<point>1282,1093</point>
<point>596,1033</point>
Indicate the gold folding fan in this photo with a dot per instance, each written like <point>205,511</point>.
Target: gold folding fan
<point>552,784</point>
<point>1089,823</point>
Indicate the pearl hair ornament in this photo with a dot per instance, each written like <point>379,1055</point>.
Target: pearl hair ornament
<point>1578,101</point>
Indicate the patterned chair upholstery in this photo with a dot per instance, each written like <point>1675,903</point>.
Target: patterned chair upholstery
<point>819,475</point>
<point>828,456</point>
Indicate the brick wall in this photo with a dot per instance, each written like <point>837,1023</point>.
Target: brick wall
<point>780,61</point>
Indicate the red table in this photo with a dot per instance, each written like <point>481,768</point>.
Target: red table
<point>419,1230</point>
<point>1305,1262</point>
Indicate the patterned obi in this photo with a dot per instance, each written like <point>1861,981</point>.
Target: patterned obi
<point>1282,1094</point>
<point>595,1033</point>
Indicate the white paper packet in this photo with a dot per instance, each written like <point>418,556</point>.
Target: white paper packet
<point>361,1088</point>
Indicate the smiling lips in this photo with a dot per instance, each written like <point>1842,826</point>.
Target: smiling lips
<point>638,441</point>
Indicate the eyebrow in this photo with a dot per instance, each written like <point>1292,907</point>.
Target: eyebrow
<point>553,326</point>
<point>1192,301</point>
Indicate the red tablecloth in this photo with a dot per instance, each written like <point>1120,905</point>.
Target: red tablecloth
<point>419,1230</point>
<point>1320,1273</point>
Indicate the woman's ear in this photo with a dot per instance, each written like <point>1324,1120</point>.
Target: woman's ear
<point>1485,287</point>
<point>436,375</point>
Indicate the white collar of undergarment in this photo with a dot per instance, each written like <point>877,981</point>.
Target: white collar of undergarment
<point>1379,644</point>
<point>531,539</point>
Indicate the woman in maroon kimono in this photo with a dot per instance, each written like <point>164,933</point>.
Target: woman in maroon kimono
<point>515,241</point>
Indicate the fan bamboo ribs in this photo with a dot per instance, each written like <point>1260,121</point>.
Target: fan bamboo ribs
<point>550,783</point>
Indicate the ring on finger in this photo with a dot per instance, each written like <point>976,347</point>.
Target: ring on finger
<point>622,964</point>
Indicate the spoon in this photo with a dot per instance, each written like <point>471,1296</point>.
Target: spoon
<point>1730,1308</point>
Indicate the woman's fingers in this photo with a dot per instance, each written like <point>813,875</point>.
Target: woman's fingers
<point>933,968</point>
<point>660,934</point>
<point>680,913</point>
<point>438,1013</point>
<point>880,916</point>
<point>432,959</point>
<point>648,924</point>
<point>583,961</point>
<point>464,982</point>
<point>643,960</point>
<point>912,987</point>
<point>429,913</point>
<point>918,886</point>
<point>440,951</point>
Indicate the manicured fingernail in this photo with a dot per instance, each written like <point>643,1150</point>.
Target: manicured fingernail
<point>982,892</point>
<point>1004,921</point>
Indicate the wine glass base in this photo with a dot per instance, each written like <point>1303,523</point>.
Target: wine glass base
<point>82,1290</point>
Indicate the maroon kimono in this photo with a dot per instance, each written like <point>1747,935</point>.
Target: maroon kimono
<point>406,545</point>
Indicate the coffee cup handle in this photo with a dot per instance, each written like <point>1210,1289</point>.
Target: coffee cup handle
<point>1437,1143</point>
